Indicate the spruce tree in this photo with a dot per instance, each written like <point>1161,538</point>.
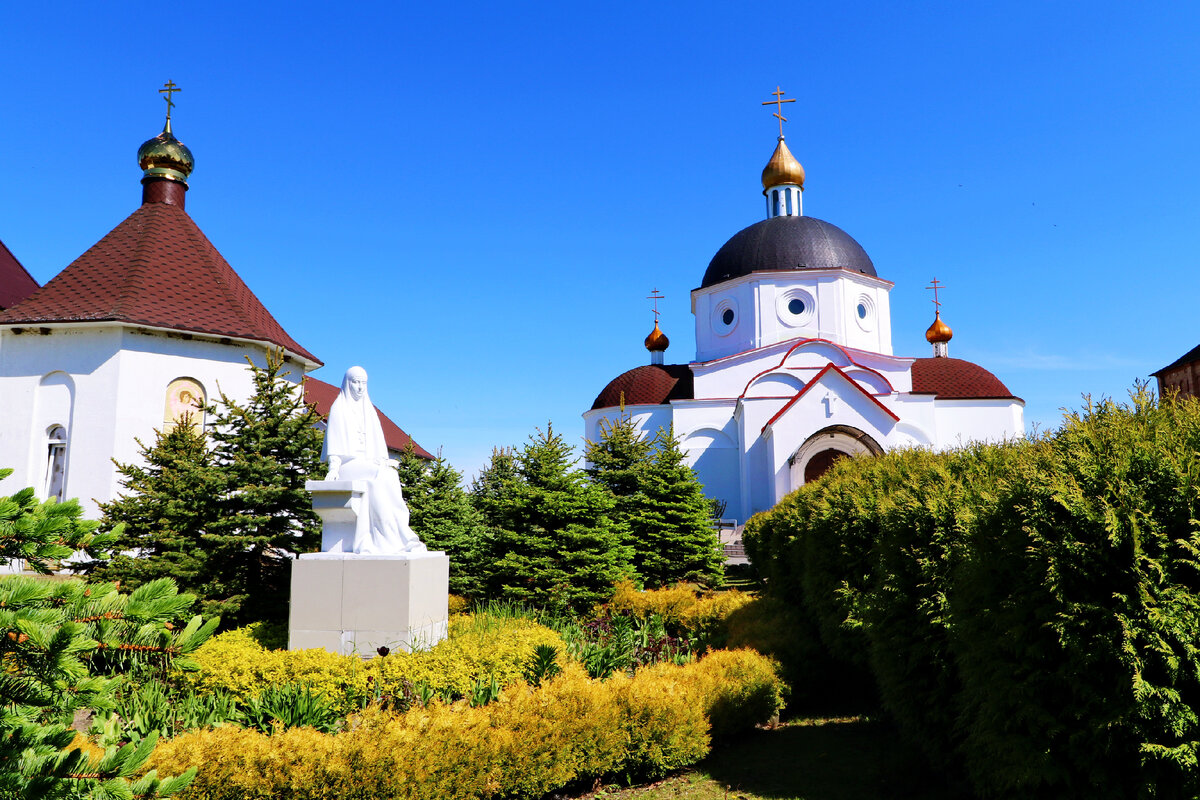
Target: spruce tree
<point>442,515</point>
<point>675,538</point>
<point>659,502</point>
<point>167,507</point>
<point>224,514</point>
<point>265,450</point>
<point>556,543</point>
<point>57,639</point>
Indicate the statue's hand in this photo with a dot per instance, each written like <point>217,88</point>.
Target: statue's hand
<point>333,475</point>
<point>335,468</point>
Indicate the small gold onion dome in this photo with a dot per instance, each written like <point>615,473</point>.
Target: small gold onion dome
<point>939,332</point>
<point>782,168</point>
<point>657,341</point>
<point>164,156</point>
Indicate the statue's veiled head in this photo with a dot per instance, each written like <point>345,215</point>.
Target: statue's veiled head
<point>355,383</point>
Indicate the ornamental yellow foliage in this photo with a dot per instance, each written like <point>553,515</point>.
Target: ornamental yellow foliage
<point>528,743</point>
<point>680,606</point>
<point>476,649</point>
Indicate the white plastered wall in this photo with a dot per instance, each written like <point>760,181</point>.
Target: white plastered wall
<point>120,377</point>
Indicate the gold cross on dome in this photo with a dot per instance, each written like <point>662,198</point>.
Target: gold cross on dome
<point>655,296</point>
<point>936,303</point>
<point>778,103</point>
<point>170,87</point>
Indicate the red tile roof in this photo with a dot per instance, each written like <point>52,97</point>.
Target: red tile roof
<point>15,282</point>
<point>955,379</point>
<point>320,395</point>
<point>651,384</point>
<point>157,269</point>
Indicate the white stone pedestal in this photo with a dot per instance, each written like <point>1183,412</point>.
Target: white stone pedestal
<point>354,604</point>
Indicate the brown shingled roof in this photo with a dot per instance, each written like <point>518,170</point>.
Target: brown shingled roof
<point>955,379</point>
<point>320,395</point>
<point>15,282</point>
<point>650,384</point>
<point>156,269</point>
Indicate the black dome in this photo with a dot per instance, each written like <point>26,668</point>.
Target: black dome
<point>787,243</point>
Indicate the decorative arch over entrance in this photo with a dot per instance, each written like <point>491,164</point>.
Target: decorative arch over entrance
<point>819,452</point>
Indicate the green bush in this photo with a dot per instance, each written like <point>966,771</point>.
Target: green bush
<point>1029,612</point>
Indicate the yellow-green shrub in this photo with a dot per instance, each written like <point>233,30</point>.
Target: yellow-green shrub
<point>476,648</point>
<point>457,604</point>
<point>528,743</point>
<point>680,606</point>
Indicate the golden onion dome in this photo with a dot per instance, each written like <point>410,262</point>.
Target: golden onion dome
<point>782,168</point>
<point>657,341</point>
<point>939,332</point>
<point>164,156</point>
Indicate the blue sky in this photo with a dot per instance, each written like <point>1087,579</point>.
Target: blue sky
<point>472,201</point>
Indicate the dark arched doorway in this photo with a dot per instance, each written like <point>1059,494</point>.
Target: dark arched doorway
<point>825,447</point>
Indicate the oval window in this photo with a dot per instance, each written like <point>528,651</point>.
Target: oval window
<point>862,310</point>
<point>727,316</point>
<point>796,306</point>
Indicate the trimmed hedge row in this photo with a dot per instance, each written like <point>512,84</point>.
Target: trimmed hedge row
<point>1030,611</point>
<point>528,743</point>
<point>477,648</point>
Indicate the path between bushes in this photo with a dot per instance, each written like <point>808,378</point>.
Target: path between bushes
<point>810,759</point>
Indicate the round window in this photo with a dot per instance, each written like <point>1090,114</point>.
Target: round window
<point>727,316</point>
<point>862,310</point>
<point>796,306</point>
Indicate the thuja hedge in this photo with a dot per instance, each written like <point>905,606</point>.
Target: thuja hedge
<point>1030,612</point>
<point>531,741</point>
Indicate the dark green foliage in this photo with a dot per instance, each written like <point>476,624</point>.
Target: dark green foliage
<point>1030,612</point>
<point>554,542</point>
<point>155,707</point>
<point>659,502</point>
<point>266,450</point>
<point>61,643</point>
<point>224,520</point>
<point>41,533</point>
<point>442,515</point>
<point>167,509</point>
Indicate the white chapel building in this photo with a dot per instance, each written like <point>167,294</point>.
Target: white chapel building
<point>148,324</point>
<point>794,365</point>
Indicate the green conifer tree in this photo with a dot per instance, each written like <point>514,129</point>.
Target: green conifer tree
<point>442,515</point>
<point>556,543</point>
<point>54,637</point>
<point>674,528</point>
<point>659,502</point>
<point>164,512</point>
<point>224,520</point>
<point>265,450</point>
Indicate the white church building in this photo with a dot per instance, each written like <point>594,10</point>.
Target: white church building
<point>794,365</point>
<point>148,324</point>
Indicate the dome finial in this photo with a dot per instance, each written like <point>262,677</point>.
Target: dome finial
<point>778,103</point>
<point>657,341</point>
<point>166,162</point>
<point>939,333</point>
<point>783,177</point>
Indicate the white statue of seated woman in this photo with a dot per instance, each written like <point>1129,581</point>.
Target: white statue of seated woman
<point>356,451</point>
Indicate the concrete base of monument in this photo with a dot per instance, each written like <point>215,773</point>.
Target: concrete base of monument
<point>353,604</point>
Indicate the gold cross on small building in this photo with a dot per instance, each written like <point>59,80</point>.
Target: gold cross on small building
<point>778,103</point>
<point>655,296</point>
<point>170,87</point>
<point>935,286</point>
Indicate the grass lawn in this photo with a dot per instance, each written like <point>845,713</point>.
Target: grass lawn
<point>826,759</point>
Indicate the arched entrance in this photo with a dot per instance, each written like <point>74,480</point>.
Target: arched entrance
<point>825,447</point>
